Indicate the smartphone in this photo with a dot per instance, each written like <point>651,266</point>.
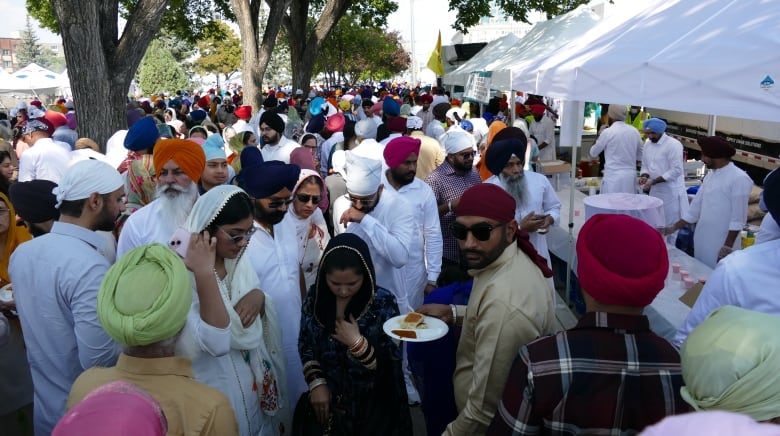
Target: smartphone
<point>179,242</point>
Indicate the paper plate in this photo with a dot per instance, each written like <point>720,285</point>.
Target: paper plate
<point>436,329</point>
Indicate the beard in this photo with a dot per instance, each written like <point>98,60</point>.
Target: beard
<point>175,201</point>
<point>515,186</point>
<point>270,217</point>
<point>403,178</point>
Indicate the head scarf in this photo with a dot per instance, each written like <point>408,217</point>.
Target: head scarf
<point>117,408</point>
<point>264,179</point>
<point>716,147</point>
<point>36,125</point>
<point>145,296</point>
<point>617,112</point>
<point>655,125</point>
<point>34,201</point>
<point>493,202</point>
<point>456,141</point>
<point>14,236</point>
<point>731,362</point>
<point>325,301</point>
<point>142,135</point>
<point>324,200</point>
<point>187,154</point>
<point>214,148</point>
<point>714,422</point>
<point>263,337</point>
<point>302,157</point>
<point>365,129</point>
<point>398,150</point>
<point>139,183</point>
<point>273,120</point>
<point>363,174</point>
<point>614,272</point>
<point>237,144</point>
<point>85,178</point>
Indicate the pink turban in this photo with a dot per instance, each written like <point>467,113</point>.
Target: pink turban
<point>621,260</point>
<point>399,149</point>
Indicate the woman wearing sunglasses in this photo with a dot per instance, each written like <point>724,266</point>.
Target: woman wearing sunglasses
<point>243,359</point>
<point>310,226</point>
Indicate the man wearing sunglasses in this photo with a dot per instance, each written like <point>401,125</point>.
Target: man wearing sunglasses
<point>511,303</point>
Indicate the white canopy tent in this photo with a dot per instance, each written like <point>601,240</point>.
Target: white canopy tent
<point>485,60</point>
<point>32,79</point>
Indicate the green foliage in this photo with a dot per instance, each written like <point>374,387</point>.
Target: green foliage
<point>29,50</point>
<point>48,59</point>
<point>159,71</point>
<point>220,53</point>
<point>42,11</point>
<point>470,11</point>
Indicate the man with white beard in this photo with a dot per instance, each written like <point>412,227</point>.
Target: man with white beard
<point>178,165</point>
<point>538,206</point>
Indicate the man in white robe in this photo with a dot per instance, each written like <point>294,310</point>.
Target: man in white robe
<point>622,147</point>
<point>275,145</point>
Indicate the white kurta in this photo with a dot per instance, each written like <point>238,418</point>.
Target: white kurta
<point>665,159</point>
<point>311,242</point>
<point>145,226</point>
<point>622,147</point>
<point>719,207</point>
<point>280,151</point>
<point>544,131</point>
<point>46,160</point>
<point>275,260</point>
<point>425,253</point>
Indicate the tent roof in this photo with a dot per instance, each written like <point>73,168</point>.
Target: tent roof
<point>484,60</point>
<point>717,57</point>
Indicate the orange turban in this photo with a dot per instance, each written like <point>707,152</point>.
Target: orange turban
<point>187,154</point>
<point>495,127</point>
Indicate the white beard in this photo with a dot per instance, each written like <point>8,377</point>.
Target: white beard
<point>516,187</point>
<point>178,203</point>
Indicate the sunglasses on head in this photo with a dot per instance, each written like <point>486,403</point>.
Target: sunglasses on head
<point>304,198</point>
<point>480,231</point>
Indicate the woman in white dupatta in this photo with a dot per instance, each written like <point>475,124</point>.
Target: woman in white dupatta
<point>252,372</point>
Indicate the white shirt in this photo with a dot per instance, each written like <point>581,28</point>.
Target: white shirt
<point>145,226</point>
<point>622,147</point>
<point>719,206</point>
<point>84,154</point>
<point>769,230</point>
<point>665,159</point>
<point>47,160</point>
<point>389,232</point>
<point>275,260</point>
<point>544,131</point>
<point>326,148</point>
<point>425,253</point>
<point>435,130</point>
<point>280,151</point>
<point>744,278</point>
<point>56,280</point>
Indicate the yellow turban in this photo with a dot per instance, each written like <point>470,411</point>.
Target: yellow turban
<point>187,154</point>
<point>145,296</point>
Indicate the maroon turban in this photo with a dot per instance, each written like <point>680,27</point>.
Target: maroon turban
<point>621,260</point>
<point>716,147</point>
<point>398,149</point>
<point>426,98</point>
<point>493,202</point>
<point>538,109</point>
<point>243,112</point>
<point>396,124</point>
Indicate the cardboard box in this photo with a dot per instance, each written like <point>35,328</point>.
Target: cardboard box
<point>692,294</point>
<point>555,166</point>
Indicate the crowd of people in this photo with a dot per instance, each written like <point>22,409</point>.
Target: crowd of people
<point>217,270</point>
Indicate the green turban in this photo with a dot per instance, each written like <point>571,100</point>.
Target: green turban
<point>145,296</point>
<point>731,362</point>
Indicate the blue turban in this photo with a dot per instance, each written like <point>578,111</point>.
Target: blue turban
<point>390,107</point>
<point>316,124</point>
<point>264,179</point>
<point>142,135</point>
<point>214,147</point>
<point>655,125</point>
<point>499,153</point>
<point>315,107</point>
<point>466,125</point>
<point>488,117</point>
<point>198,115</point>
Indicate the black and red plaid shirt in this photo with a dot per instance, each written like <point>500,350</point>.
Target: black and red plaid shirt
<point>608,375</point>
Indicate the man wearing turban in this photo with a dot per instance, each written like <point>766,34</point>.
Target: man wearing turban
<point>143,304</point>
<point>543,129</point>
<point>719,208</point>
<point>46,158</point>
<point>622,147</point>
<point>431,153</point>
<point>56,278</point>
<point>35,204</point>
<point>511,303</point>
<point>743,278</point>
<point>178,166</point>
<point>637,372</point>
<point>275,145</point>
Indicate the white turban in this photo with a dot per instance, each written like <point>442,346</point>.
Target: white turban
<point>339,161</point>
<point>85,178</point>
<point>363,174</point>
<point>365,129</point>
<point>414,122</point>
<point>461,114</point>
<point>456,141</point>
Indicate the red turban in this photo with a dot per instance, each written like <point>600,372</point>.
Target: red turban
<point>187,154</point>
<point>398,150</point>
<point>493,202</point>
<point>621,260</point>
<point>426,98</point>
<point>204,102</point>
<point>716,147</point>
<point>396,124</point>
<point>243,112</point>
<point>538,109</point>
<point>57,119</point>
<point>335,123</point>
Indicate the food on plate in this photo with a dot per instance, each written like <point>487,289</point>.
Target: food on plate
<point>413,320</point>
<point>411,334</point>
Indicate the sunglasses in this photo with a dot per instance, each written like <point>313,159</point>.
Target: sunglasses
<point>238,238</point>
<point>275,204</point>
<point>364,201</point>
<point>480,231</point>
<point>303,198</point>
<point>466,155</point>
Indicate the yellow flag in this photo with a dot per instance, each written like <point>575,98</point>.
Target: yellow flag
<point>434,62</point>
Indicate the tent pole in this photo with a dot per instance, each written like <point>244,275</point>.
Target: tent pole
<point>576,115</point>
<point>712,122</point>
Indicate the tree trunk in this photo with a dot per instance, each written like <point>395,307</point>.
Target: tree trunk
<point>305,45</point>
<point>256,52</point>
<point>100,66</point>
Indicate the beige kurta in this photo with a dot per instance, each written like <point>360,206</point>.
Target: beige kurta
<point>511,304</point>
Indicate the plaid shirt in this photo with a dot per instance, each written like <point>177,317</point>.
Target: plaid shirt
<point>608,375</point>
<point>448,185</point>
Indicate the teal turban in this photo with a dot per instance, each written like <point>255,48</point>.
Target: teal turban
<point>731,362</point>
<point>145,296</point>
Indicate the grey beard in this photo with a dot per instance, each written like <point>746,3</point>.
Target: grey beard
<point>515,186</point>
<point>177,206</point>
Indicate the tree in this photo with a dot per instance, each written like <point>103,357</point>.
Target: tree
<point>29,49</point>
<point>101,61</point>
<point>159,71</point>
<point>220,53</point>
<point>470,11</point>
